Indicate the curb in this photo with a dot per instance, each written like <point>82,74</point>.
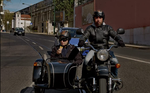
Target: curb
<point>134,46</point>
<point>137,46</point>
<point>41,33</point>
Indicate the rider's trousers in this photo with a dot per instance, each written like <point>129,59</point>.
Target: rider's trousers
<point>113,61</point>
<point>79,72</point>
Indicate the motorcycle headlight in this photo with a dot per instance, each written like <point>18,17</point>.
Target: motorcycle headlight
<point>102,55</point>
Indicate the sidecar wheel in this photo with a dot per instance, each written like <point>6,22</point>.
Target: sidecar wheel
<point>39,90</point>
<point>102,85</point>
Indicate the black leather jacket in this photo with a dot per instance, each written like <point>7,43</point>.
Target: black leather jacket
<point>100,35</point>
<point>71,53</point>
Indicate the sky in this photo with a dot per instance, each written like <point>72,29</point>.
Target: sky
<point>15,5</point>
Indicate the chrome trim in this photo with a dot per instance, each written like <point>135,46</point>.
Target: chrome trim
<point>53,73</point>
<point>64,73</point>
<point>68,74</point>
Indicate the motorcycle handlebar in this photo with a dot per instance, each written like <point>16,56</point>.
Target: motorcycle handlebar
<point>114,45</point>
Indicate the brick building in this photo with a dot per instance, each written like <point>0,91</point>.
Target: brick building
<point>132,15</point>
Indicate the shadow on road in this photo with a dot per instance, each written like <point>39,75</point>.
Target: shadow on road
<point>27,90</point>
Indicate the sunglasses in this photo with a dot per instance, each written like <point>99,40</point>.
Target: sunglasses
<point>98,17</point>
<point>63,39</point>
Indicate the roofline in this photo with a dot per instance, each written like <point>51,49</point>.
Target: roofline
<point>71,27</point>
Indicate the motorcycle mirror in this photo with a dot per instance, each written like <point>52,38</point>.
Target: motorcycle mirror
<point>79,31</point>
<point>120,31</point>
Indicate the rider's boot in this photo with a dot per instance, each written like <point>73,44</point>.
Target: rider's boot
<point>119,85</point>
<point>77,83</point>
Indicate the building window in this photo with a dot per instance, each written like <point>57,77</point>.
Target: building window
<point>80,2</point>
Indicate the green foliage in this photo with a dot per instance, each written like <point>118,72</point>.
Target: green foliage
<point>8,17</point>
<point>4,2</point>
<point>67,6</point>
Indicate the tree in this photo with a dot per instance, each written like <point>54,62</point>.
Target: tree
<point>67,6</point>
<point>8,17</point>
<point>5,0</point>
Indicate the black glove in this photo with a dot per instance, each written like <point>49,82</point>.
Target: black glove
<point>81,43</point>
<point>121,43</point>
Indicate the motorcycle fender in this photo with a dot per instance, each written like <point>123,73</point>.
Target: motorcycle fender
<point>37,71</point>
<point>102,70</point>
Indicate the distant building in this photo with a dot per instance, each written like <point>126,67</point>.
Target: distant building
<point>21,20</point>
<point>2,27</point>
<point>42,16</point>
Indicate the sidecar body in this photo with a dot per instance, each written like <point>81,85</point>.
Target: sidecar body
<point>53,75</point>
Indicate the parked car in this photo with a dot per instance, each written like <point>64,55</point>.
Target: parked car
<point>19,31</point>
<point>3,30</point>
<point>12,30</point>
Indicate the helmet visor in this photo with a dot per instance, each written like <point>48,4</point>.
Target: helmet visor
<point>63,38</point>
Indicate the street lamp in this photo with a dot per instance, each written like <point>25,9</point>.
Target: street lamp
<point>7,25</point>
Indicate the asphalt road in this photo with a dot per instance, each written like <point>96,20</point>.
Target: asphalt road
<point>18,54</point>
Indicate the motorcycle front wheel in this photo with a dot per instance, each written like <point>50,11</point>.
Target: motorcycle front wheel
<point>102,85</point>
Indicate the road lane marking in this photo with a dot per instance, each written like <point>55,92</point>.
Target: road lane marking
<point>33,42</point>
<point>40,47</point>
<point>27,39</point>
<point>51,40</point>
<point>133,59</point>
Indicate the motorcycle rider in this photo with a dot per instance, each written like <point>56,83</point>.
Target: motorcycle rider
<point>98,33</point>
<point>67,51</point>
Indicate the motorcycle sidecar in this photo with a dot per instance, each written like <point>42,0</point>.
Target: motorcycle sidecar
<point>54,74</point>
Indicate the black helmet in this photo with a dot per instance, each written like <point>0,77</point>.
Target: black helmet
<point>64,34</point>
<point>99,13</point>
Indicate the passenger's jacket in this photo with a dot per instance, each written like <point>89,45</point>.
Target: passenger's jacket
<point>69,52</point>
<point>100,35</point>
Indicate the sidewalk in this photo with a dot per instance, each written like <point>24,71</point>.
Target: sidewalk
<point>127,45</point>
<point>42,33</point>
<point>135,46</point>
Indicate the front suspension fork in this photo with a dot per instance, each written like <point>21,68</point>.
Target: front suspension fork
<point>114,82</point>
<point>109,84</point>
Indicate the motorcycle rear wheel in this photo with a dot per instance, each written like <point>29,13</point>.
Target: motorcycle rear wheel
<point>102,85</point>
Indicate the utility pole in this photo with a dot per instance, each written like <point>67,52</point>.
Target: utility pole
<point>54,17</point>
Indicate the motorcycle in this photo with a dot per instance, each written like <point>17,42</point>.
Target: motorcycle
<point>60,73</point>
